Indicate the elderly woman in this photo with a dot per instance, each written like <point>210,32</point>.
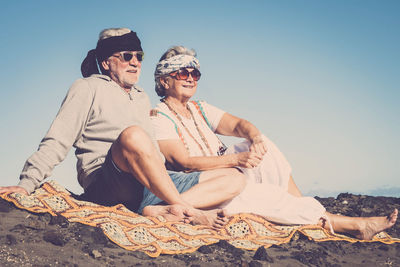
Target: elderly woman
<point>186,132</point>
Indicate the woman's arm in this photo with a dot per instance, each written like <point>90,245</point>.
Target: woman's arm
<point>178,157</point>
<point>233,126</point>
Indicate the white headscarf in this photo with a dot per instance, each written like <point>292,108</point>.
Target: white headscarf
<point>175,63</point>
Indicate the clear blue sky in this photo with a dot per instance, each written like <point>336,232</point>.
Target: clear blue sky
<point>320,78</point>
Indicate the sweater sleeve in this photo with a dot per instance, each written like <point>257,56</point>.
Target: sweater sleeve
<point>65,130</point>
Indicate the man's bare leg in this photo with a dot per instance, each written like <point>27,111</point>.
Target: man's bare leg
<point>360,227</point>
<point>134,152</point>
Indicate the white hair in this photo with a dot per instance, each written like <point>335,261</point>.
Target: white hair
<point>111,32</point>
<point>178,50</point>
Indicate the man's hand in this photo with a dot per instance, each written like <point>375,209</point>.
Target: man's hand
<point>248,159</point>
<point>258,145</point>
<point>13,189</point>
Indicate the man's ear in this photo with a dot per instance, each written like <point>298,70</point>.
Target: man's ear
<point>105,64</point>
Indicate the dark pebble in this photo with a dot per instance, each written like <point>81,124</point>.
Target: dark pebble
<point>59,220</point>
<point>99,237</point>
<point>205,249</point>
<point>11,240</point>
<point>46,217</point>
<point>256,264</point>
<point>139,254</point>
<point>54,238</point>
<point>262,255</point>
<point>18,228</point>
<point>384,247</point>
<point>280,247</point>
<point>5,206</point>
<point>35,224</point>
<point>230,248</point>
<point>359,244</point>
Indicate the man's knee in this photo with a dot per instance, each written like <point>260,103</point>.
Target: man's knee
<point>134,138</point>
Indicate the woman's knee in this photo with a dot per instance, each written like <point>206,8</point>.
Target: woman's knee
<point>235,182</point>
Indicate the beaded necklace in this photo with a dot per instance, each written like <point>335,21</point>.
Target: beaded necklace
<point>187,130</point>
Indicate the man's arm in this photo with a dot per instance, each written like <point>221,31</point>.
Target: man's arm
<point>13,189</point>
<point>64,131</point>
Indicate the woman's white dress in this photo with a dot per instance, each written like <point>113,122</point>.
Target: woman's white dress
<point>267,184</point>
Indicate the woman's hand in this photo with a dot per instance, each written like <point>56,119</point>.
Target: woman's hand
<point>258,145</point>
<point>248,159</point>
<point>13,189</point>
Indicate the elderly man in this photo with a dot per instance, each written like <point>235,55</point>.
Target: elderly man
<point>106,118</point>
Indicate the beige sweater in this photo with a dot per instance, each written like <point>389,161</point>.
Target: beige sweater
<point>93,114</point>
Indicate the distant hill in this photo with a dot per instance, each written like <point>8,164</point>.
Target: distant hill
<point>383,191</point>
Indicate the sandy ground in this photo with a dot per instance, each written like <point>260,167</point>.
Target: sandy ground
<point>28,239</point>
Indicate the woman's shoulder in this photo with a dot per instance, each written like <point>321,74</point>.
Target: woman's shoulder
<point>160,111</point>
<point>159,107</point>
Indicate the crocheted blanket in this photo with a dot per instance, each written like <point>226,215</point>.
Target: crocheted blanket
<point>155,236</point>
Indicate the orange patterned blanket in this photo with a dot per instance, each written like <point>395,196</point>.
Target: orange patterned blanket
<point>155,236</point>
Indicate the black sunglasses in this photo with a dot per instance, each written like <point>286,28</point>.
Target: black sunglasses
<point>183,74</point>
<point>128,55</point>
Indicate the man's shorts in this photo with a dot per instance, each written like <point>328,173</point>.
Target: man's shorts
<point>112,186</point>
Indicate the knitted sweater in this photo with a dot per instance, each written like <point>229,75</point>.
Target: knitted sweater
<point>93,114</point>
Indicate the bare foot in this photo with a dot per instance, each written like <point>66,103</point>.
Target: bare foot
<point>215,219</point>
<point>171,213</point>
<point>369,227</point>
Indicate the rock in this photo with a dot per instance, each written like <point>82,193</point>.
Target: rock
<point>205,249</point>
<point>99,237</point>
<point>11,240</point>
<point>384,247</point>
<point>255,263</point>
<point>59,220</point>
<point>54,238</point>
<point>230,248</point>
<point>261,254</point>
<point>35,224</point>
<point>139,255</point>
<point>46,217</point>
<point>5,206</point>
<point>95,254</point>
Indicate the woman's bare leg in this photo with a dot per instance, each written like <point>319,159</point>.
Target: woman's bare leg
<point>215,187</point>
<point>360,227</point>
<point>215,218</point>
<point>293,189</point>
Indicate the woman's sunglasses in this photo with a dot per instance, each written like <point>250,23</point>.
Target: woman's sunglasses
<point>128,55</point>
<point>183,74</point>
